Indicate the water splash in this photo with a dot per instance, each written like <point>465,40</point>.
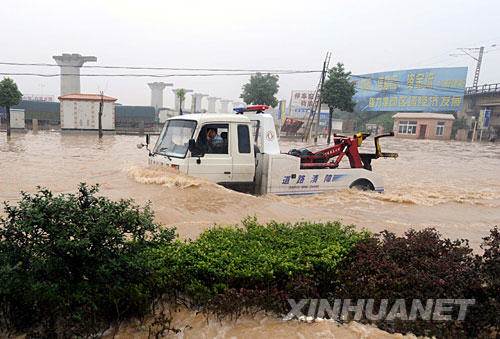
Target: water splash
<point>168,177</point>
<point>416,195</point>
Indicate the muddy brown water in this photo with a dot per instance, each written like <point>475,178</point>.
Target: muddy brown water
<point>452,186</point>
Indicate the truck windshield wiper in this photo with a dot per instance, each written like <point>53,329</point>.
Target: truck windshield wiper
<point>165,149</point>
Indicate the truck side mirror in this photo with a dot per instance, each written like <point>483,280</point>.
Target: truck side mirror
<point>195,149</point>
<point>139,146</point>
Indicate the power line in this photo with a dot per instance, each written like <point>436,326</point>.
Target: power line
<point>479,59</point>
<point>49,75</point>
<point>427,60</point>
<point>164,68</point>
<point>53,75</point>
<point>237,72</point>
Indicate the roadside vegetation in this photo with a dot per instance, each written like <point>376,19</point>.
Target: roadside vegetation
<point>261,89</point>
<point>73,265</point>
<point>459,123</point>
<point>9,96</point>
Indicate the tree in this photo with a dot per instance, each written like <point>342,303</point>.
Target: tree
<point>9,96</point>
<point>260,90</point>
<point>459,124</point>
<point>337,92</point>
<point>181,94</point>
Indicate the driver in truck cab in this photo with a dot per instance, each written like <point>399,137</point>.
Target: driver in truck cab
<point>212,135</point>
<point>213,140</point>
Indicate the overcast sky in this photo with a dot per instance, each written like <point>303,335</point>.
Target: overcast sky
<point>367,36</point>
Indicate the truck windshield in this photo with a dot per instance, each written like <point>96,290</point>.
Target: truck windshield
<point>174,138</point>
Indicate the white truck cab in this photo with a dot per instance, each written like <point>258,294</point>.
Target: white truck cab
<point>228,159</point>
<point>241,151</point>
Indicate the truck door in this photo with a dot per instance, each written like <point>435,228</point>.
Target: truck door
<point>243,153</point>
<point>216,164</point>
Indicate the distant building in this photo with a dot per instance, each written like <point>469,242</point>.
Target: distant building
<point>374,128</point>
<point>165,113</point>
<point>45,112</point>
<point>423,125</point>
<point>477,99</point>
<point>38,97</point>
<point>81,112</point>
<point>133,114</point>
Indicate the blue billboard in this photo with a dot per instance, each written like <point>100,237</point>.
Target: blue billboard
<point>425,89</point>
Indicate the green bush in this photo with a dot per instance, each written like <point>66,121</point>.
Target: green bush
<point>74,263</point>
<point>273,259</point>
<point>459,123</point>
<point>70,264</point>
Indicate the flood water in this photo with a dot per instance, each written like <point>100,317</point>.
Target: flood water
<point>452,186</point>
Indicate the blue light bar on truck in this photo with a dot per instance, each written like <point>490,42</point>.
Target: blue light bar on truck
<point>257,108</point>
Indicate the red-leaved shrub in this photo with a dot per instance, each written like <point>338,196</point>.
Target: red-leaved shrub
<point>419,265</point>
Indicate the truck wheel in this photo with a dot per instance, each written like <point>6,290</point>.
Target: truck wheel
<point>362,185</point>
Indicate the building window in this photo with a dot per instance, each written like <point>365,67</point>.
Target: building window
<point>440,129</point>
<point>407,127</point>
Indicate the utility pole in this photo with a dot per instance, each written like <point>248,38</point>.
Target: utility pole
<point>478,66</point>
<point>330,125</point>
<point>323,75</point>
<point>316,106</point>
<point>7,112</point>
<point>479,59</point>
<point>474,130</point>
<point>101,106</point>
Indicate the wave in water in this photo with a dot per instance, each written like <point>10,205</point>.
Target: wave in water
<point>162,175</point>
<point>408,194</point>
<point>430,197</point>
<point>403,195</point>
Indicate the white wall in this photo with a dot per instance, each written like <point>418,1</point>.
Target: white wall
<point>84,114</point>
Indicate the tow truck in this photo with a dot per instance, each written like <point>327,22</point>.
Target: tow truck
<point>245,155</point>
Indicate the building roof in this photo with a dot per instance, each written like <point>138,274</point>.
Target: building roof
<point>89,97</point>
<point>424,115</point>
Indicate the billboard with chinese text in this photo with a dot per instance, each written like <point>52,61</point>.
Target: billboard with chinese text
<point>426,89</point>
<point>301,103</point>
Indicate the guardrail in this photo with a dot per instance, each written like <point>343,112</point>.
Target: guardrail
<point>488,88</point>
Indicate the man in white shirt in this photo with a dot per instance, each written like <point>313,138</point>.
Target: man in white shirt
<point>212,135</point>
